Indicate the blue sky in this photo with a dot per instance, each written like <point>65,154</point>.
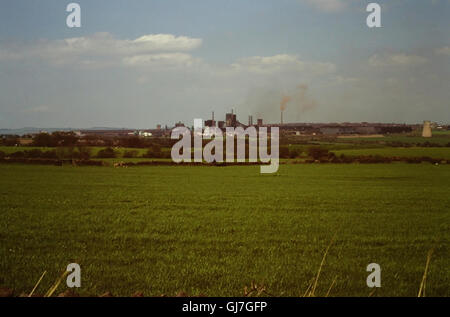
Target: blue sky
<point>214,55</point>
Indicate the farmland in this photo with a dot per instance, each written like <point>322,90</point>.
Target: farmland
<point>214,230</point>
<point>438,153</point>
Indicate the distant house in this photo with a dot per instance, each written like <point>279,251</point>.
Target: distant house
<point>144,134</point>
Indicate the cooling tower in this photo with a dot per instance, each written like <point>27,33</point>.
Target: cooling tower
<point>426,133</point>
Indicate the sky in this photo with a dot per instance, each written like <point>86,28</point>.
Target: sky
<point>139,63</point>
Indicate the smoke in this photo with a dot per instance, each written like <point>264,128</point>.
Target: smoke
<point>301,100</point>
<point>267,102</point>
<point>284,101</point>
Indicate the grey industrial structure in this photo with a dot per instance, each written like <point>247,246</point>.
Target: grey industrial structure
<point>331,129</point>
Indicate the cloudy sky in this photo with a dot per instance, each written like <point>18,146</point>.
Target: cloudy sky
<point>139,63</point>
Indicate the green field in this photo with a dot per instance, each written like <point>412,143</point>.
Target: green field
<point>214,230</point>
<point>94,149</point>
<point>438,152</point>
<point>441,138</point>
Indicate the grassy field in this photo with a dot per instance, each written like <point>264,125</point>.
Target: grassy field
<point>214,230</point>
<point>441,138</point>
<point>94,149</point>
<point>439,152</point>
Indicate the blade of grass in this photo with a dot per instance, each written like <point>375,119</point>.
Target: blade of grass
<point>424,277</point>
<point>313,290</point>
<point>37,284</point>
<point>55,286</point>
<point>331,286</point>
<point>309,287</point>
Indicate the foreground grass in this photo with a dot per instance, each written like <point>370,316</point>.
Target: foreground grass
<point>214,230</point>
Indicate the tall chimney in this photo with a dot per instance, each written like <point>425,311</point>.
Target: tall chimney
<point>281,116</point>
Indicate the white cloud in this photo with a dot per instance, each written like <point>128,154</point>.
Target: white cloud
<point>167,42</point>
<point>327,5</point>
<point>443,51</point>
<point>161,60</point>
<point>396,60</point>
<point>282,63</point>
<point>153,51</point>
<point>102,49</point>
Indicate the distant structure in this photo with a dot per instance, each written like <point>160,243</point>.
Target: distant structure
<point>426,132</point>
<point>260,122</point>
<point>212,122</point>
<point>230,119</point>
<point>250,120</point>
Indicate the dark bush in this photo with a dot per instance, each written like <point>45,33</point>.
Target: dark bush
<point>294,153</point>
<point>106,153</point>
<point>83,153</point>
<point>35,153</point>
<point>49,155</point>
<point>430,144</point>
<point>154,152</point>
<point>130,154</point>
<point>346,159</point>
<point>18,154</point>
<point>284,152</point>
<point>10,141</point>
<point>317,152</point>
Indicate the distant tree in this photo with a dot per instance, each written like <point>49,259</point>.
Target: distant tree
<point>44,139</point>
<point>55,139</point>
<point>133,142</point>
<point>11,141</point>
<point>65,138</point>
